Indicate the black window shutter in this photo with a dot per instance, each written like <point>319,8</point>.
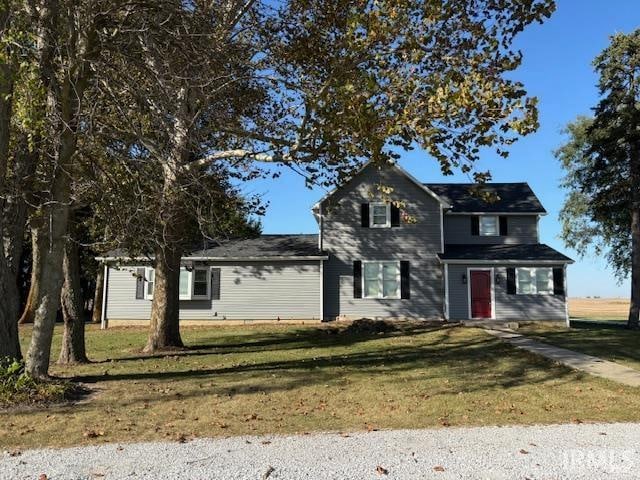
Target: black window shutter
<point>357,279</point>
<point>511,281</point>
<point>395,216</point>
<point>558,281</point>
<point>364,215</point>
<point>475,226</point>
<point>215,284</point>
<point>139,283</point>
<point>405,280</point>
<point>504,230</point>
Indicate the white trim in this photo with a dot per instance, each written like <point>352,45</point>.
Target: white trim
<point>493,291</point>
<point>503,262</point>
<point>104,324</point>
<point>446,291</point>
<point>566,296</point>
<point>147,276</point>
<point>207,270</point>
<point>449,212</point>
<point>220,259</point>
<point>387,213</point>
<point>381,279</point>
<point>534,282</point>
<point>392,165</point>
<point>441,229</point>
<point>321,291</point>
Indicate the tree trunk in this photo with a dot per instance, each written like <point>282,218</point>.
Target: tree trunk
<point>39,242</point>
<point>634,307</point>
<point>9,342</point>
<point>164,332</point>
<point>50,278</point>
<point>73,344</point>
<point>96,314</point>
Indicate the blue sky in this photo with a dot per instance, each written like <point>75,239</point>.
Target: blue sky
<point>557,69</point>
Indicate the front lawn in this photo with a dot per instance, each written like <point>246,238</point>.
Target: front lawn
<point>609,342</point>
<point>279,379</point>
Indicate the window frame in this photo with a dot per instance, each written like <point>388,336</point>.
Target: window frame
<point>387,207</point>
<point>484,233</point>
<point>533,278</point>
<point>150,271</point>
<point>207,271</point>
<point>380,279</point>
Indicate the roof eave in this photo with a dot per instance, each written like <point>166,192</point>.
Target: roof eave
<point>281,258</point>
<point>508,262</point>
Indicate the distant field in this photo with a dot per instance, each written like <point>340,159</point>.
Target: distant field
<point>599,308</point>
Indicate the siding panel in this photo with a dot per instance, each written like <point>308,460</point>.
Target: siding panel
<point>248,291</point>
<point>507,307</point>
<point>521,229</point>
<point>346,240</point>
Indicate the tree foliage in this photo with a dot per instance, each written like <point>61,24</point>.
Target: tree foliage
<point>602,161</point>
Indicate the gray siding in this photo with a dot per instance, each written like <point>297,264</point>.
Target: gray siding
<point>345,240</point>
<point>507,307</point>
<point>248,291</point>
<point>520,229</point>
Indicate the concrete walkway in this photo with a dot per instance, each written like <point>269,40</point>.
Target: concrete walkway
<point>576,360</point>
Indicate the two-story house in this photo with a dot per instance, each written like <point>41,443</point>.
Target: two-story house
<point>388,246</point>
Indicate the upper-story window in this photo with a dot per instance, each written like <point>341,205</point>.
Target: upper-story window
<point>380,215</point>
<point>489,226</point>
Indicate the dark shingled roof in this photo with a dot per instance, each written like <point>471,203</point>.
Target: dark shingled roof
<point>525,252</point>
<point>303,245</point>
<point>512,197</point>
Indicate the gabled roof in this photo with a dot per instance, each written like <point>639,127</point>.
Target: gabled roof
<point>286,245</point>
<point>531,252</point>
<point>510,197</point>
<point>396,167</point>
<point>264,247</point>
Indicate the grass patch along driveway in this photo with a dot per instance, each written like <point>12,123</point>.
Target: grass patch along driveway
<point>275,379</point>
<point>613,342</point>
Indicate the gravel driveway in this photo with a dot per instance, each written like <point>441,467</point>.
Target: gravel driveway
<point>559,451</point>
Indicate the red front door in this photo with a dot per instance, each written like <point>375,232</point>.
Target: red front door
<point>480,294</point>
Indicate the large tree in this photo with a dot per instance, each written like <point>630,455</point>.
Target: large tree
<point>319,87</point>
<point>602,160</point>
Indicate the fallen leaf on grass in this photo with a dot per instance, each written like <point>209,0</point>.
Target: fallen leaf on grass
<point>269,471</point>
<point>93,434</point>
<point>181,438</point>
<point>438,468</point>
<point>381,470</point>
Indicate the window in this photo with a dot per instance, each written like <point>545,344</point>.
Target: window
<point>381,280</point>
<point>150,276</point>
<point>201,283</point>
<point>185,284</point>
<point>380,215</point>
<point>534,281</point>
<point>489,226</point>
<point>193,285</point>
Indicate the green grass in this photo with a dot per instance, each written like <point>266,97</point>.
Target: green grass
<point>19,388</point>
<point>277,379</point>
<point>609,342</point>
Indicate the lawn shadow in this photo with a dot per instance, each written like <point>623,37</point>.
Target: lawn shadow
<point>443,357</point>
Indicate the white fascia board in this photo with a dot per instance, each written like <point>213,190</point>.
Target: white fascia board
<point>219,259</point>
<point>503,262</point>
<point>449,212</point>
